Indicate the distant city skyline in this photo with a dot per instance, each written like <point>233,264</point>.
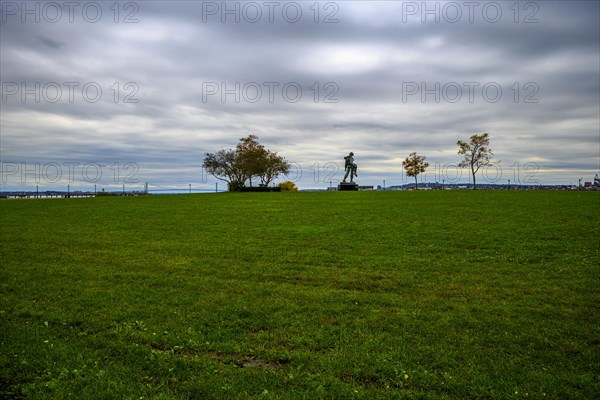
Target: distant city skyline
<point>106,94</point>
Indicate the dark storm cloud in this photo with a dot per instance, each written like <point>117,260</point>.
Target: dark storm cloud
<point>145,91</point>
<point>50,43</point>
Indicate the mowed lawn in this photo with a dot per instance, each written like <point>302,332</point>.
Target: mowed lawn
<point>367,295</point>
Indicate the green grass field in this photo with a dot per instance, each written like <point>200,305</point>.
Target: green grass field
<point>366,295</point>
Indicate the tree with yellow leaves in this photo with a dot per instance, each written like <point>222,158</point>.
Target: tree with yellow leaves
<point>415,165</point>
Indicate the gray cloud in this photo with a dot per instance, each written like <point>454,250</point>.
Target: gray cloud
<point>378,82</point>
<point>51,43</point>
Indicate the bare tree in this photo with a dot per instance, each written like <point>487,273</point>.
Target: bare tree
<point>415,165</point>
<point>477,153</point>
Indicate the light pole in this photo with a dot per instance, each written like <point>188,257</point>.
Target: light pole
<point>384,184</point>
<point>509,184</point>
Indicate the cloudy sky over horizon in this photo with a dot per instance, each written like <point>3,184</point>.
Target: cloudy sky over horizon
<point>105,93</point>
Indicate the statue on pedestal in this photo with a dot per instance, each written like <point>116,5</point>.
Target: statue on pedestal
<point>350,167</point>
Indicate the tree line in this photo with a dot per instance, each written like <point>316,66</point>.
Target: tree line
<point>250,161</point>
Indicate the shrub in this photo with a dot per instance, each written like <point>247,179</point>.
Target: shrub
<point>288,186</point>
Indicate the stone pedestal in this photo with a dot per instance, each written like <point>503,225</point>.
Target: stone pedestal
<point>347,186</point>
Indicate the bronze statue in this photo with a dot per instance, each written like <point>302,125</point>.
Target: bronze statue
<point>350,167</point>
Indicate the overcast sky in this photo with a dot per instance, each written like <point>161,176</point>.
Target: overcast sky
<point>94,93</point>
